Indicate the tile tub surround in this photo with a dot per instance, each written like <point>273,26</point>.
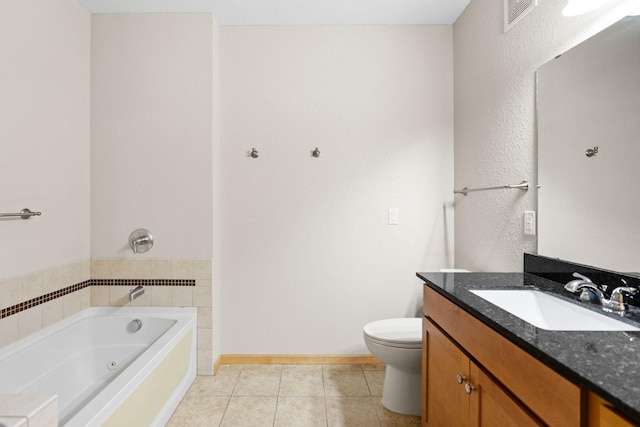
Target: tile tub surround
<point>34,301</point>
<point>197,294</point>
<point>289,395</point>
<point>605,362</point>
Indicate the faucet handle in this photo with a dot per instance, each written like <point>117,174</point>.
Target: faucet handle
<point>572,286</point>
<point>617,301</point>
<point>581,276</point>
<point>618,293</point>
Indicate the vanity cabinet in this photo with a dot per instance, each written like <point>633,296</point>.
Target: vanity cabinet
<point>602,414</point>
<point>460,393</point>
<point>511,386</point>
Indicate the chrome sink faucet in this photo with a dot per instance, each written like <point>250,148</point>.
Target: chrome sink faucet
<point>572,286</point>
<point>590,292</point>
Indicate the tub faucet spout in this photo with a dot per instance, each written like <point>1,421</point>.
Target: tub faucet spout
<point>135,293</point>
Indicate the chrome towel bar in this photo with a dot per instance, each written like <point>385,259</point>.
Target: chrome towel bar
<point>524,186</point>
<point>24,214</point>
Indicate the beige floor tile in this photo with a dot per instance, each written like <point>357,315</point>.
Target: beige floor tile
<point>262,367</point>
<point>392,419</point>
<point>351,412</point>
<point>301,412</point>
<point>250,412</point>
<point>258,382</point>
<point>221,384</point>
<point>230,368</point>
<point>342,367</point>
<point>301,380</point>
<point>199,411</point>
<point>375,381</point>
<point>374,366</point>
<point>345,383</point>
<point>247,395</point>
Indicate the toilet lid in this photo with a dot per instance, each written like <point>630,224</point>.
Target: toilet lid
<point>399,331</point>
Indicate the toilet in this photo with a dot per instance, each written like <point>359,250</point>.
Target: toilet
<point>398,343</point>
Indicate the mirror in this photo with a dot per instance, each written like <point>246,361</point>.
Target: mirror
<point>589,199</point>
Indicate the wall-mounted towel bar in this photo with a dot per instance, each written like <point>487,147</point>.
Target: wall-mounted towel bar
<point>24,214</point>
<point>524,186</point>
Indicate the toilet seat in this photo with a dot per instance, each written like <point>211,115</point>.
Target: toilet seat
<point>402,333</point>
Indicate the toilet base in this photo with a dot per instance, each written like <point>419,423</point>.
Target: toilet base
<point>402,391</point>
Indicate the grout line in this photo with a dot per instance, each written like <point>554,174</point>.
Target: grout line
<point>366,381</point>
<point>324,391</point>
<point>275,413</point>
<point>326,412</point>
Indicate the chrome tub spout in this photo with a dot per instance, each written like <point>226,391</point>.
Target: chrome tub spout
<point>135,293</point>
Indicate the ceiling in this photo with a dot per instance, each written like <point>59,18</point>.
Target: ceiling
<point>297,12</point>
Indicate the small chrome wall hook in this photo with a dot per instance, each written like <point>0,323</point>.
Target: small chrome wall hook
<point>591,151</point>
<point>316,152</point>
<point>254,153</point>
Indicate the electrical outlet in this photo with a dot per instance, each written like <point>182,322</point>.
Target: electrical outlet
<point>530,223</point>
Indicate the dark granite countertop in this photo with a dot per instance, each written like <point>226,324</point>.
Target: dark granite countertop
<point>607,363</point>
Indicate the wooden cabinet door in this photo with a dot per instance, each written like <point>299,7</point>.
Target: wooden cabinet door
<point>447,403</point>
<point>491,406</point>
<point>551,397</point>
<point>601,414</point>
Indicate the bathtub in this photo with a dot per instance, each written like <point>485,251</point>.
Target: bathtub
<point>102,370</point>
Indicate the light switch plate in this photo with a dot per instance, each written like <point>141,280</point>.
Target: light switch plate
<point>394,216</point>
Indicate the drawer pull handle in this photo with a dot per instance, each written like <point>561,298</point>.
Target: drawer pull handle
<point>461,378</point>
<point>469,388</point>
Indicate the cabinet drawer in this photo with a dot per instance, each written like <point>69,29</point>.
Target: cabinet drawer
<point>550,396</point>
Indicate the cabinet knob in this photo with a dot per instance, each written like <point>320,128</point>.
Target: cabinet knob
<point>461,378</point>
<point>469,388</point>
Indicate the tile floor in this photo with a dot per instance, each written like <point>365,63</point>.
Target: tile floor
<point>289,396</point>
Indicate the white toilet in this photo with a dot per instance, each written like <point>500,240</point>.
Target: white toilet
<point>398,343</point>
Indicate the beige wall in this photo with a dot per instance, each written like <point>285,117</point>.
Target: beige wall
<point>495,121</point>
<point>44,134</point>
<point>152,142</point>
<point>307,255</point>
<point>44,165</point>
<point>216,166</point>
<point>151,133</point>
<point>152,138</point>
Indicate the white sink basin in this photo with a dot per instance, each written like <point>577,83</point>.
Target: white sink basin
<point>548,312</point>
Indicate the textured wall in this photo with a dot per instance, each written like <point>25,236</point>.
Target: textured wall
<point>495,121</point>
<point>44,134</point>
<point>308,257</point>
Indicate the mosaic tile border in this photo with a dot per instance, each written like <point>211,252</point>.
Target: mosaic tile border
<point>143,282</point>
<point>15,309</point>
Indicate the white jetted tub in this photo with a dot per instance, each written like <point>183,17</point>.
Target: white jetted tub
<point>108,366</point>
